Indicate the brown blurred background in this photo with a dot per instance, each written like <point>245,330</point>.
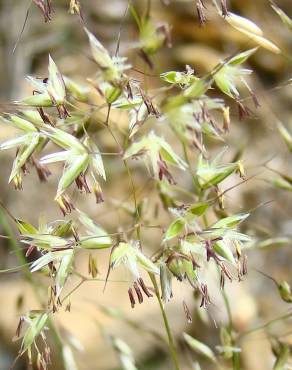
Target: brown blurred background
<point>254,301</point>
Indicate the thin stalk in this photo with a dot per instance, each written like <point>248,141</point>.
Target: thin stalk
<point>187,159</point>
<point>121,150</point>
<point>228,310</point>
<point>265,326</point>
<point>235,355</point>
<point>171,344</point>
<point>96,279</point>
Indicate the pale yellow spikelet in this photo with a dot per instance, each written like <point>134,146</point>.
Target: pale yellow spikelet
<point>253,32</point>
<point>243,24</point>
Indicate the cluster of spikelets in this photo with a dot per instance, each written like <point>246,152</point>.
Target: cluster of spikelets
<point>52,115</point>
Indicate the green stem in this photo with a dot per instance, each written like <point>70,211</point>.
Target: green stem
<point>228,309</point>
<point>236,361</point>
<point>265,326</point>
<point>171,344</point>
<point>29,277</point>
<point>235,355</point>
<point>187,159</point>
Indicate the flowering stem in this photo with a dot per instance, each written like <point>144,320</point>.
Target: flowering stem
<point>171,344</point>
<point>235,355</point>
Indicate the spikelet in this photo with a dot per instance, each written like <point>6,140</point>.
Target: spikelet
<point>251,30</point>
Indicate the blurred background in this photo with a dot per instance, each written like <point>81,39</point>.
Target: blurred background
<point>254,301</point>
